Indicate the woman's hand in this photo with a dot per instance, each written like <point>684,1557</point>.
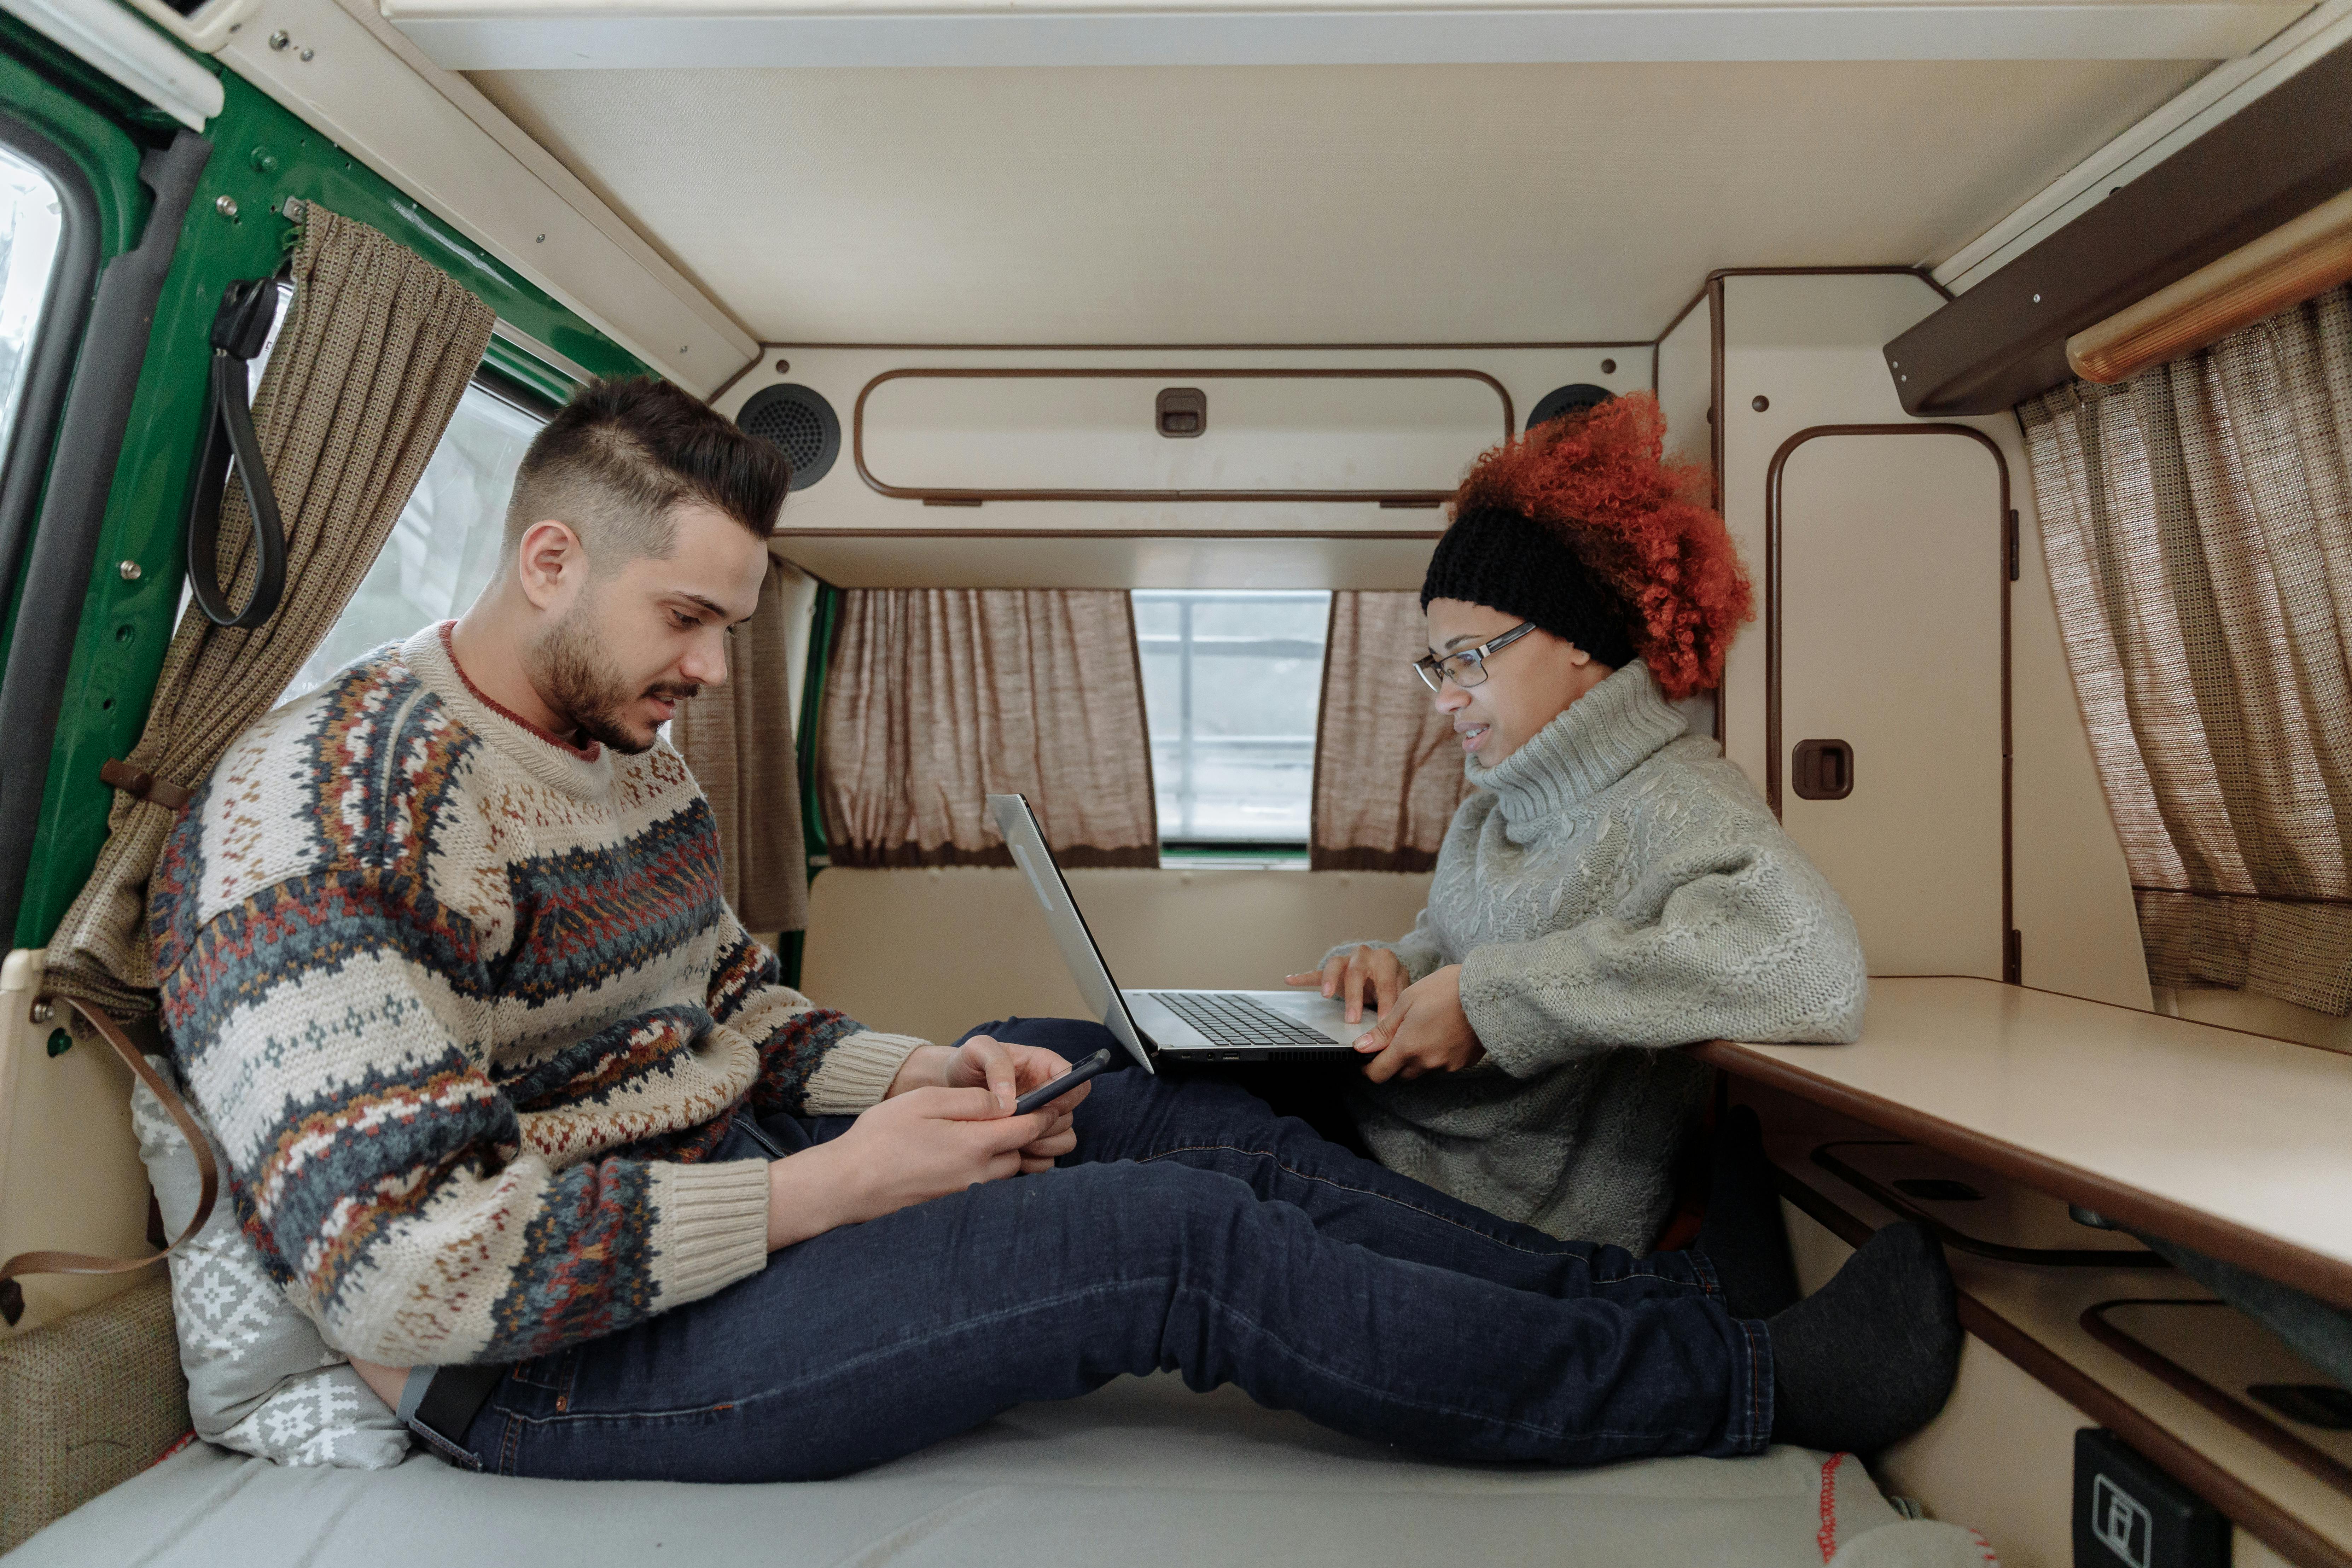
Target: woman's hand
<point>1351,974</point>
<point>1425,1031</point>
<point>1006,1070</point>
<point>913,1147</point>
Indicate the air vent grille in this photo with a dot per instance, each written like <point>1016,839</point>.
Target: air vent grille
<point>798,422</point>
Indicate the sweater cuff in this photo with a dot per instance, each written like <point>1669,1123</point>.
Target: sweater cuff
<point>711,1227</point>
<point>857,1072</point>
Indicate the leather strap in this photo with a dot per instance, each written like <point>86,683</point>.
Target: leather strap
<point>141,785</point>
<point>239,330</point>
<point>12,1295</point>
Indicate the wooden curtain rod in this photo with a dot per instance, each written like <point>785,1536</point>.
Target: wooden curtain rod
<point>2296,261</point>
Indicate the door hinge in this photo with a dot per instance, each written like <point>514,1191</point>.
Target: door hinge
<point>2012,960</point>
<point>2013,544</point>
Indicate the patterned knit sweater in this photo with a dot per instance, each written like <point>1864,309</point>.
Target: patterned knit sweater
<point>466,1011</point>
<point>1613,883</point>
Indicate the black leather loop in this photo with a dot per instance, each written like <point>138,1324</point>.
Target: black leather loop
<point>239,330</point>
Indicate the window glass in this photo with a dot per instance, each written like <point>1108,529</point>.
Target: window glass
<point>31,225</point>
<point>446,544</point>
<point>1230,685</point>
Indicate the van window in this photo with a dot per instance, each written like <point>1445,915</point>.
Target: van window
<point>446,544</point>
<point>31,225</point>
<point>1230,685</point>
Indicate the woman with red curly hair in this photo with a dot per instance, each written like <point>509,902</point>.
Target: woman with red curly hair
<point>1614,885</point>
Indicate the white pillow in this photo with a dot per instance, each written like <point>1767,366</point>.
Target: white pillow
<point>260,1380</point>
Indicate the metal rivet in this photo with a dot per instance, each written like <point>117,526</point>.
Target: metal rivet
<point>129,569</point>
<point>44,1011</point>
<point>280,38</point>
<point>61,1042</point>
<point>263,160</point>
<point>1902,378</point>
<point>1761,403</point>
<point>782,365</point>
<point>2037,298</point>
<point>681,348</point>
<point>540,240</point>
<point>225,207</point>
<point>309,54</point>
<point>1609,367</point>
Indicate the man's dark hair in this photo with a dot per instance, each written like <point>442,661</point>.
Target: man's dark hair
<point>621,455</point>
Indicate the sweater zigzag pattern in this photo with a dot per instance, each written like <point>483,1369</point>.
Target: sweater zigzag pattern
<point>467,1013</point>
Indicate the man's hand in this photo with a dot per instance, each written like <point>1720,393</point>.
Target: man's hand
<point>913,1147</point>
<point>1425,1031</point>
<point>1004,1069</point>
<point>1348,974</point>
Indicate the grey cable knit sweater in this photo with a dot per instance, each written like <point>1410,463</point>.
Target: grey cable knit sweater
<point>1614,886</point>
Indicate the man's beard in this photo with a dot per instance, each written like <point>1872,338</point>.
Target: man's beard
<point>574,680</point>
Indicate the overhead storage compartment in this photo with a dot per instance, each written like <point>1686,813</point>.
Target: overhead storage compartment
<point>1175,434</point>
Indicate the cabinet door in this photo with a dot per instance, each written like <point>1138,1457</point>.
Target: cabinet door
<point>1890,584</point>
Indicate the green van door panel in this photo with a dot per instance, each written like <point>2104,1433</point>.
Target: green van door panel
<point>263,154</point>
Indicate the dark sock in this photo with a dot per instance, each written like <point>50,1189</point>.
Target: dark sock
<point>1869,1358</point>
<point>1743,1234</point>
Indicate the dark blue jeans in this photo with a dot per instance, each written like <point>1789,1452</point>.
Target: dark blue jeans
<point>1192,1230</point>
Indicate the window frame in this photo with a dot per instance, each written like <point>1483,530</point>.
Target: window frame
<point>1240,854</point>
<point>57,340</point>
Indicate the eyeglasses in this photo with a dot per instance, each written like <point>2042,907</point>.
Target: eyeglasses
<point>1468,668</point>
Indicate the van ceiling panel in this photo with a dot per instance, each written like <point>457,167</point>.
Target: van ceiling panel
<point>1351,204</point>
<point>578,35</point>
<point>1382,432</point>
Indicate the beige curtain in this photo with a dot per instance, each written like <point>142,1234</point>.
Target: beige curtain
<point>1388,766</point>
<point>739,741</point>
<point>937,697</point>
<point>376,350</point>
<point>2198,521</point>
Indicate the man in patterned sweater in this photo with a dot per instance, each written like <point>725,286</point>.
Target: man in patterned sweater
<point>530,1127</point>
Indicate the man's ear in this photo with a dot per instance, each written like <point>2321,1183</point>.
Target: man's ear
<point>550,562</point>
<point>1577,655</point>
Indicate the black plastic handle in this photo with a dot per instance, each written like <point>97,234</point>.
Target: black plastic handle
<point>239,330</point>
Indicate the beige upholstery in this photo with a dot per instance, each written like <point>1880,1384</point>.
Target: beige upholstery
<point>85,1403</point>
<point>1142,1473</point>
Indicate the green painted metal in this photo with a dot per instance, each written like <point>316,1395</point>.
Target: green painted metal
<point>263,154</point>
<point>824,617</point>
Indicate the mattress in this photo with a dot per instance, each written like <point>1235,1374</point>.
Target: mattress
<point>1142,1472</point>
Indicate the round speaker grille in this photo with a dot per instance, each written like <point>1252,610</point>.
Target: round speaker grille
<point>1561,400</point>
<point>798,422</point>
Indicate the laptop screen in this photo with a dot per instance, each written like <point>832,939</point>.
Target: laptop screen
<point>1100,992</point>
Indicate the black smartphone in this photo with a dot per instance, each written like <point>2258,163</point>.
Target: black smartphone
<point>1038,1098</point>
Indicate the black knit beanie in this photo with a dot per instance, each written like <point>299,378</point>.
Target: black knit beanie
<point>1523,568</point>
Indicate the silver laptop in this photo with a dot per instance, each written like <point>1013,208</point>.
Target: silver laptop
<point>1188,1025</point>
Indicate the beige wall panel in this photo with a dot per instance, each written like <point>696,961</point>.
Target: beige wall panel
<point>1893,574</point>
<point>1369,432</point>
<point>966,561</point>
<point>1077,417</point>
<point>69,1171</point>
<point>2257,1013</point>
<point>2079,931</point>
<point>1686,382</point>
<point>933,952</point>
<point>1811,346</point>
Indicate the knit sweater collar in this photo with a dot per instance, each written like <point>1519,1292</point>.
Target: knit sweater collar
<point>1597,740</point>
<point>583,771</point>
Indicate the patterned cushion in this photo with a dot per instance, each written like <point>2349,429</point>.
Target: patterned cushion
<point>260,1380</point>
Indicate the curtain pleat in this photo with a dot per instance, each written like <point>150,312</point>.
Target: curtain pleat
<point>938,698</point>
<point>738,741</point>
<point>2198,521</point>
<point>1388,766</point>
<point>377,348</point>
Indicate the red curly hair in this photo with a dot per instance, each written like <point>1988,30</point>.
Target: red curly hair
<point>1638,520</point>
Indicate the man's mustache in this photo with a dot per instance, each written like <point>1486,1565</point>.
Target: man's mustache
<point>673,692</point>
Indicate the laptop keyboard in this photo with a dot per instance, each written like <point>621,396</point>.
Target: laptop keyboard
<point>1225,1019</point>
